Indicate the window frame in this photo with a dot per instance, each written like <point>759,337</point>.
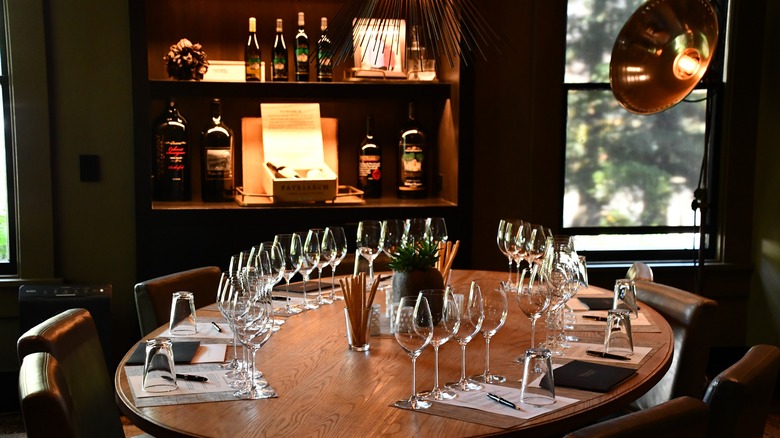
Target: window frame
<point>713,83</point>
<point>10,267</point>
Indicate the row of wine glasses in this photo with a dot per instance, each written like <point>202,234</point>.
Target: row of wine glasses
<point>521,241</point>
<point>458,312</point>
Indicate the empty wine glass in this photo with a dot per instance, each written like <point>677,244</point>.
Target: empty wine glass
<point>533,298</point>
<point>309,262</point>
<point>328,253</point>
<point>436,230</point>
<point>254,326</point>
<point>535,243</point>
<point>391,238</point>
<point>413,330</point>
<point>494,304</point>
<point>414,230</point>
<point>446,321</point>
<point>342,249</point>
<point>270,260</point>
<point>223,300</point>
<point>368,243</point>
<point>292,250</point>
<point>469,300</point>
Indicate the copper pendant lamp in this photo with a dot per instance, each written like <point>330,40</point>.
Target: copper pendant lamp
<point>661,53</point>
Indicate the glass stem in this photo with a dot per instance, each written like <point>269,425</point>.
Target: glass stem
<point>250,365</point>
<point>288,307</point>
<point>435,368</point>
<point>414,378</point>
<point>487,359</point>
<point>463,363</point>
<point>533,332</point>
<point>333,283</point>
<point>319,285</point>
<point>370,270</point>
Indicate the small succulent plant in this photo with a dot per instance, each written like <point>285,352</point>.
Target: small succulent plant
<point>417,256</point>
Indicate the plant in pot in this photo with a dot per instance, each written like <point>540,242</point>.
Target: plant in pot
<point>414,269</point>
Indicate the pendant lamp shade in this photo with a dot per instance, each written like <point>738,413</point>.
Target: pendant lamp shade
<point>661,53</point>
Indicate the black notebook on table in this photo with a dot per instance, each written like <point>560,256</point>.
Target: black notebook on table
<point>183,352</point>
<point>596,303</point>
<point>590,376</point>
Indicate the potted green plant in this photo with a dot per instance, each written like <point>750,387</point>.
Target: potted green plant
<point>414,269</point>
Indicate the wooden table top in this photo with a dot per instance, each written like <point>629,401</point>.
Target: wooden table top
<point>327,390</point>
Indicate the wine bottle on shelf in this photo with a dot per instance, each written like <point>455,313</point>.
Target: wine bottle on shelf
<point>301,52</point>
<point>252,54</point>
<point>279,54</point>
<point>282,171</point>
<point>171,156</point>
<point>370,163</point>
<point>216,158</point>
<point>324,54</point>
<point>411,157</point>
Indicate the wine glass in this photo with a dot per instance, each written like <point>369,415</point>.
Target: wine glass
<point>413,330</point>
<point>223,298</point>
<point>446,321</point>
<point>254,327</point>
<point>501,242</point>
<point>292,250</point>
<point>270,259</point>
<point>309,262</point>
<point>391,238</point>
<point>368,238</point>
<point>469,299</point>
<point>533,299</point>
<point>535,243</point>
<point>342,249</point>
<point>414,230</point>
<point>436,230</point>
<point>494,304</point>
<point>328,253</point>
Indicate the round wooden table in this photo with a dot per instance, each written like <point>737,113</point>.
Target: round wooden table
<point>327,390</point>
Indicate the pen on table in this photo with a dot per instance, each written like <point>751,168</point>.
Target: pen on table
<point>595,317</point>
<point>192,377</point>
<point>503,401</point>
<point>216,326</point>
<point>606,355</point>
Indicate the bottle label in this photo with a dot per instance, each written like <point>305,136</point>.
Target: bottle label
<point>218,164</point>
<point>302,57</point>
<point>370,168</point>
<point>280,67</point>
<point>173,157</point>
<point>412,168</point>
<point>253,68</point>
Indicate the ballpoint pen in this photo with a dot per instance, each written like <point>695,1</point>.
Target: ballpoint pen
<point>216,326</point>
<point>503,401</point>
<point>606,355</point>
<point>595,317</point>
<point>192,377</point>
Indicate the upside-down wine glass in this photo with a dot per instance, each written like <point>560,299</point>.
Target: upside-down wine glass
<point>413,330</point>
<point>495,307</point>
<point>342,249</point>
<point>446,321</point>
<point>469,299</point>
<point>292,249</point>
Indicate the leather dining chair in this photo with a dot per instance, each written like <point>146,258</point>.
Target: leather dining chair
<point>640,271</point>
<point>44,397</point>
<point>71,337</point>
<point>679,417</point>
<point>740,396</point>
<point>153,297</point>
<point>692,319</point>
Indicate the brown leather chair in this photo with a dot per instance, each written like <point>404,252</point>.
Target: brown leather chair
<point>679,417</point>
<point>640,271</point>
<point>692,318</point>
<point>153,297</point>
<point>740,396</point>
<point>45,398</point>
<point>72,339</point>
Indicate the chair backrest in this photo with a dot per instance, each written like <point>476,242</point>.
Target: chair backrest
<point>640,271</point>
<point>692,319</point>
<point>741,395</point>
<point>45,398</point>
<point>679,417</point>
<point>72,338</point>
<point>153,297</point>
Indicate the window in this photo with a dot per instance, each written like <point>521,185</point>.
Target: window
<point>629,179</point>
<point>7,214</point>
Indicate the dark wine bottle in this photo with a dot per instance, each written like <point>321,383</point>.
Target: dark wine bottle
<point>324,54</point>
<point>279,54</point>
<point>171,155</point>
<point>411,157</point>
<point>301,52</point>
<point>216,143</point>
<point>252,53</point>
<point>370,163</point>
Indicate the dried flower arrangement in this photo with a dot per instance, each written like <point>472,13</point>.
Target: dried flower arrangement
<point>186,61</point>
